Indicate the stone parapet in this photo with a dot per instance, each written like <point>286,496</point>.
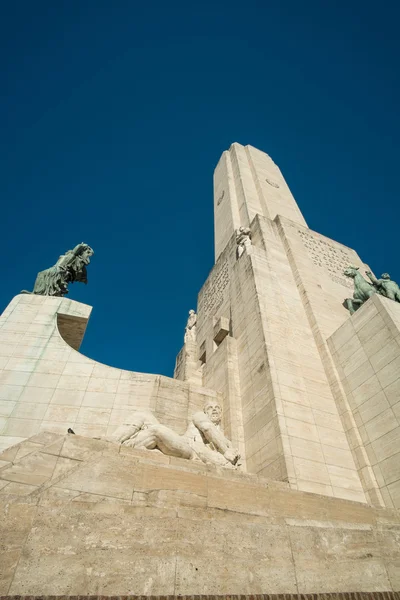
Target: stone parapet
<point>79,516</point>
<point>323,596</point>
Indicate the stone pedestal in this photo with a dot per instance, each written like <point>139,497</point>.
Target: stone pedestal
<point>86,517</point>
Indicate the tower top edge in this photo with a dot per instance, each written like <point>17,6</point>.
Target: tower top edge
<point>237,145</point>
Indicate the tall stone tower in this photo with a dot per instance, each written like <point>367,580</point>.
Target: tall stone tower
<point>264,321</point>
<point>273,367</point>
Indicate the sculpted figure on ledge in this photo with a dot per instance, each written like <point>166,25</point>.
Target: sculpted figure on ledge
<point>190,329</point>
<point>364,289</point>
<point>243,240</point>
<point>69,268</point>
<point>385,286</point>
<point>203,439</point>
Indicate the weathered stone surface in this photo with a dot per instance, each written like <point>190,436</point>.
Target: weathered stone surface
<point>15,524</point>
<point>373,399</point>
<point>337,559</point>
<point>96,551</point>
<point>334,596</point>
<point>121,523</point>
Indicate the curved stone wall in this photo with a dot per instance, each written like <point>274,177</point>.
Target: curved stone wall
<point>46,384</point>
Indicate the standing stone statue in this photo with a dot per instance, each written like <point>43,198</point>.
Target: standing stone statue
<point>190,329</point>
<point>385,286</point>
<point>243,240</point>
<point>69,268</point>
<point>362,289</point>
<point>203,439</point>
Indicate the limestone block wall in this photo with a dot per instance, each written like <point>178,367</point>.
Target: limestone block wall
<point>366,351</point>
<point>317,263</point>
<point>187,363</point>
<point>270,371</point>
<point>322,596</point>
<point>219,361</point>
<point>221,373</point>
<point>46,384</point>
<point>316,452</point>
<point>80,517</point>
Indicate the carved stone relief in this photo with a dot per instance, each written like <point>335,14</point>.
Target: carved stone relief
<point>327,256</point>
<point>273,183</point>
<point>213,292</point>
<point>203,440</point>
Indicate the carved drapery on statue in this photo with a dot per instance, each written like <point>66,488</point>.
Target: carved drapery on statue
<point>243,240</point>
<point>363,289</point>
<point>69,268</point>
<point>190,329</point>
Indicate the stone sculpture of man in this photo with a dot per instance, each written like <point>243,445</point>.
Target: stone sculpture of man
<point>243,240</point>
<point>385,286</point>
<point>190,329</point>
<point>203,439</point>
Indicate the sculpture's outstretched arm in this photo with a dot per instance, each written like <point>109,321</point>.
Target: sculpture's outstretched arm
<point>372,277</point>
<point>215,436</point>
<point>78,248</point>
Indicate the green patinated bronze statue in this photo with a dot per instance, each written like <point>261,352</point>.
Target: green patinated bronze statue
<point>69,268</point>
<point>385,286</point>
<point>363,289</point>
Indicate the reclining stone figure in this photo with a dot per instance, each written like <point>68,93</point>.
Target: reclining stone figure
<point>203,439</point>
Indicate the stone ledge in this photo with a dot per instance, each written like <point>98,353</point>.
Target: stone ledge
<point>132,521</point>
<point>318,596</point>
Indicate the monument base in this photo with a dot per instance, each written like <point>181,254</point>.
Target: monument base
<point>83,516</point>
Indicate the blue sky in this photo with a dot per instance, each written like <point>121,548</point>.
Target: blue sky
<point>114,115</point>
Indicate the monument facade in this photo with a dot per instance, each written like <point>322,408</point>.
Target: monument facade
<point>278,301</point>
<point>277,442</point>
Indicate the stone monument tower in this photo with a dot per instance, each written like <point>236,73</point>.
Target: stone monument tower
<point>270,460</point>
<point>270,329</point>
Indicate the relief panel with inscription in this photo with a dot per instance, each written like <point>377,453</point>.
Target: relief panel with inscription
<point>332,259</point>
<point>213,291</point>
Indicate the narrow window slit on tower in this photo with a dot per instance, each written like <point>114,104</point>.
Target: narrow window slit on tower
<point>202,353</point>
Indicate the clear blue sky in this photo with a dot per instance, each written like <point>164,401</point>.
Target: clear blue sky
<point>114,114</point>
